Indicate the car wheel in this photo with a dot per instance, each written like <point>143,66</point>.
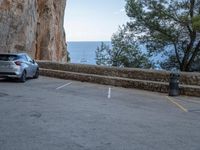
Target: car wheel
<point>23,77</point>
<point>36,74</point>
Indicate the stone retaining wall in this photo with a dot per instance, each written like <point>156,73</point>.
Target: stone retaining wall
<point>131,73</point>
<point>154,86</point>
<point>107,80</point>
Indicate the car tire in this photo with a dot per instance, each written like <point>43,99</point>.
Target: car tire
<point>22,79</point>
<point>36,74</point>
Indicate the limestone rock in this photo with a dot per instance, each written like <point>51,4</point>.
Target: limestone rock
<point>34,27</point>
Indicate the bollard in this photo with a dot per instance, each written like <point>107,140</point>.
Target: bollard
<point>174,89</point>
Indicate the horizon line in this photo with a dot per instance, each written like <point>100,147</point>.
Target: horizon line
<point>90,41</point>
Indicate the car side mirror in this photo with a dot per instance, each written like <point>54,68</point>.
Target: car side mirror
<point>33,61</point>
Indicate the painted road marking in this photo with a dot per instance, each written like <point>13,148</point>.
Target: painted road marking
<point>60,87</point>
<point>109,93</point>
<point>189,100</point>
<point>177,104</point>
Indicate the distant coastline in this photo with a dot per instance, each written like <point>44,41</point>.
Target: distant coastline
<point>86,41</point>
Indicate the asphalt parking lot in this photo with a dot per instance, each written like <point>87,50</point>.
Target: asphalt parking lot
<point>55,114</point>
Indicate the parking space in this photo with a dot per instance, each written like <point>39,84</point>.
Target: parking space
<point>190,104</point>
<point>55,114</point>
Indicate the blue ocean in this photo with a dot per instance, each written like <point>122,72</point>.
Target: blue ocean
<point>84,52</point>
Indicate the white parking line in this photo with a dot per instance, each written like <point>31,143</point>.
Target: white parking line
<point>60,87</point>
<point>109,93</point>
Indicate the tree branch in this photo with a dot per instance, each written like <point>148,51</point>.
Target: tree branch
<point>192,2</point>
<point>189,29</point>
<point>197,49</point>
<point>177,55</point>
<point>188,49</point>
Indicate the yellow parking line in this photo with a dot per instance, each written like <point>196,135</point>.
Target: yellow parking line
<point>177,104</point>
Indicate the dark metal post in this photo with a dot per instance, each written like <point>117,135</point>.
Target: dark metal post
<point>174,89</point>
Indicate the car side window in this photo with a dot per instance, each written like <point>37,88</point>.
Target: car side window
<point>8,57</point>
<point>23,57</point>
<point>29,59</point>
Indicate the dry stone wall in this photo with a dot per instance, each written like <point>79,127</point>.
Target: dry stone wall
<point>151,80</point>
<point>131,73</point>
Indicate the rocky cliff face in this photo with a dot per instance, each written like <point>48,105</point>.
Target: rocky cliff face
<point>33,26</point>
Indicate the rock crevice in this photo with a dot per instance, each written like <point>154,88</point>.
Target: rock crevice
<point>34,27</point>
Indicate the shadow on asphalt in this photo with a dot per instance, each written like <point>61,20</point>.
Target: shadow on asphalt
<point>8,80</point>
<point>11,80</point>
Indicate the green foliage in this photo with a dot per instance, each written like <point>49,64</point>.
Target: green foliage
<point>196,65</point>
<point>102,57</point>
<point>68,54</point>
<point>124,52</point>
<point>169,27</point>
<point>170,63</point>
<point>196,23</point>
<point>68,57</point>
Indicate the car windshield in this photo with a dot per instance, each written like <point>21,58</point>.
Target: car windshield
<point>8,57</point>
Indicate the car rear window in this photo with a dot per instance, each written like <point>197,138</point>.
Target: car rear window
<point>8,57</point>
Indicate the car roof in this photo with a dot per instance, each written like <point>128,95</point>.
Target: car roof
<point>17,54</point>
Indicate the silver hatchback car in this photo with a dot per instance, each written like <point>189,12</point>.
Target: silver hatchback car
<point>19,66</point>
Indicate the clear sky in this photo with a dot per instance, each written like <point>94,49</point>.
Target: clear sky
<point>93,20</point>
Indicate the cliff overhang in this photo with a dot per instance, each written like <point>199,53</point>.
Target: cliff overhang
<point>34,27</point>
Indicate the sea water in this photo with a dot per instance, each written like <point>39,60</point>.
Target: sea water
<point>84,52</point>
